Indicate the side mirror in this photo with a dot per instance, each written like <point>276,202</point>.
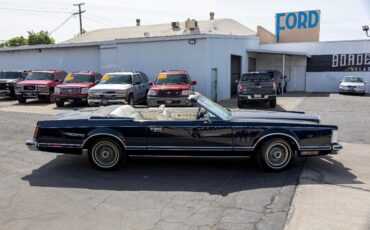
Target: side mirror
<point>193,82</point>
<point>340,81</point>
<point>56,80</point>
<point>97,81</point>
<point>285,77</point>
<point>150,83</point>
<point>137,83</point>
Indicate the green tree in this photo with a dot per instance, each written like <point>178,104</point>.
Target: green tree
<point>34,38</point>
<point>41,37</point>
<point>17,41</point>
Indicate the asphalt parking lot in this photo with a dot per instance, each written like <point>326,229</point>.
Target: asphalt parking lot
<point>52,191</point>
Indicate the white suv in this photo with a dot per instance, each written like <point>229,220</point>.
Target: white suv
<point>120,88</point>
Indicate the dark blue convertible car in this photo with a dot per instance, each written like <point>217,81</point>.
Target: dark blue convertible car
<point>109,135</point>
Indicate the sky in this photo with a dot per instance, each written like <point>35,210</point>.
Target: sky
<point>340,19</point>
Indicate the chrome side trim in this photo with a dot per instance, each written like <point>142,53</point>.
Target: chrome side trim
<point>103,134</point>
<point>276,134</point>
<point>184,148</point>
<point>58,145</point>
<point>312,148</point>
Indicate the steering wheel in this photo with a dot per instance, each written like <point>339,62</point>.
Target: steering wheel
<point>201,112</point>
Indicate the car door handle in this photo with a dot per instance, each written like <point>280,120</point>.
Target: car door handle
<point>156,130</point>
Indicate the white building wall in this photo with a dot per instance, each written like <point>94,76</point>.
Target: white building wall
<point>68,59</point>
<point>326,81</point>
<point>219,52</point>
<point>153,57</point>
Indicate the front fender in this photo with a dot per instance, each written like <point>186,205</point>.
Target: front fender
<point>276,132</point>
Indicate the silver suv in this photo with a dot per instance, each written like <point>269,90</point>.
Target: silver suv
<point>120,88</point>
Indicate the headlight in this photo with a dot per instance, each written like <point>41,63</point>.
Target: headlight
<point>334,136</point>
<point>152,92</point>
<point>84,90</point>
<point>91,93</point>
<point>57,90</point>
<point>185,92</point>
<point>121,93</point>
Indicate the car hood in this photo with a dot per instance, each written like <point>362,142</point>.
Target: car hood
<point>9,80</point>
<point>240,115</point>
<point>170,87</point>
<point>35,82</point>
<point>111,86</point>
<point>77,85</point>
<point>352,84</point>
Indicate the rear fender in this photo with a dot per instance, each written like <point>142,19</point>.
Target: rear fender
<point>104,132</point>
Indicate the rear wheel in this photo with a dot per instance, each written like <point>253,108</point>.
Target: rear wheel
<point>272,103</point>
<point>240,104</point>
<point>275,154</point>
<point>22,100</point>
<point>59,103</point>
<point>106,154</point>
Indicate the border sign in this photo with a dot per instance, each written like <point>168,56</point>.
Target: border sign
<point>339,63</point>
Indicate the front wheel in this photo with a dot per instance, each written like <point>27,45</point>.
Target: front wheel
<point>275,154</point>
<point>106,154</point>
<point>130,100</point>
<point>59,103</point>
<point>22,100</point>
<point>272,103</point>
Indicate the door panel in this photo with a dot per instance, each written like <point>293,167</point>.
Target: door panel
<point>189,135</point>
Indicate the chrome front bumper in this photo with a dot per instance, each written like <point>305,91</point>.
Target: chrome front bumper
<point>32,145</point>
<point>336,147</point>
<point>106,101</point>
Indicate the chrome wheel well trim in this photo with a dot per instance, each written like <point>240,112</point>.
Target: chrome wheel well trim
<point>276,134</point>
<point>103,134</point>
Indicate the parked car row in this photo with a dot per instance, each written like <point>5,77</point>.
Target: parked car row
<point>170,87</point>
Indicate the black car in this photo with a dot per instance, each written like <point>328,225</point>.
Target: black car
<point>257,86</point>
<point>8,79</point>
<point>109,135</point>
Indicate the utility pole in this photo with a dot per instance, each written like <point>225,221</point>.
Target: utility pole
<point>80,12</point>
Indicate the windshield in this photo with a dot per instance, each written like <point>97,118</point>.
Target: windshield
<point>116,79</point>
<point>214,108</point>
<point>10,75</point>
<point>253,77</point>
<point>79,78</point>
<point>352,79</point>
<point>39,76</point>
<point>164,79</point>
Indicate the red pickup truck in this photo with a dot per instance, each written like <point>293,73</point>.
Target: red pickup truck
<point>39,84</point>
<point>171,88</point>
<point>75,87</point>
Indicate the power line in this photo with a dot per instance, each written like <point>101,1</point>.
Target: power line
<point>34,10</point>
<point>98,21</point>
<point>62,24</point>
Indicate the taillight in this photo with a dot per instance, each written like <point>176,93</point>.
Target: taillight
<point>274,85</point>
<point>36,133</point>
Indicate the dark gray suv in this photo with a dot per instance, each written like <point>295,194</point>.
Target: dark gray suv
<point>257,86</point>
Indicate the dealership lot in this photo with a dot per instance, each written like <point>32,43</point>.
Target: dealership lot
<point>41,190</point>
